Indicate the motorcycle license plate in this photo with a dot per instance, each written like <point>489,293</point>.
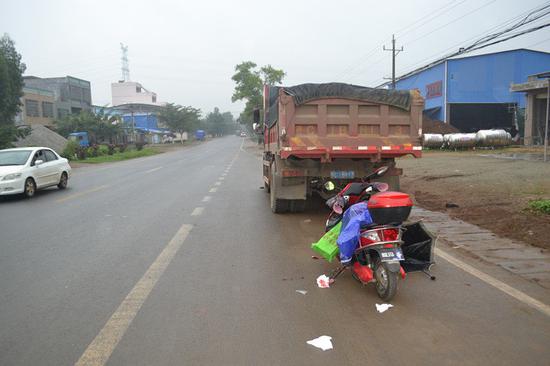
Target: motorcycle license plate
<point>391,254</point>
<point>342,174</point>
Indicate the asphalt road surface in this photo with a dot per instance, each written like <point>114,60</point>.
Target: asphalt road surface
<point>176,259</point>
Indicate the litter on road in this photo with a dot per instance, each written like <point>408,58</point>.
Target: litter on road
<point>323,281</point>
<point>303,292</point>
<point>383,307</point>
<point>323,342</point>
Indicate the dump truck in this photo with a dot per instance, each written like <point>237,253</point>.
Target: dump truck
<point>316,133</point>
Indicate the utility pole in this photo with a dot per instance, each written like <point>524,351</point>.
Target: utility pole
<point>394,52</point>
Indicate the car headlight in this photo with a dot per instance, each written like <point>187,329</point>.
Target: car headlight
<point>12,176</point>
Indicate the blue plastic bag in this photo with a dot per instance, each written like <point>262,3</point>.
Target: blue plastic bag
<point>348,240</point>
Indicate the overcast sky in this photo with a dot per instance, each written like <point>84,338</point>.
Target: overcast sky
<point>186,51</point>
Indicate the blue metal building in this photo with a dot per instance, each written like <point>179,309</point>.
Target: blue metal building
<point>473,92</point>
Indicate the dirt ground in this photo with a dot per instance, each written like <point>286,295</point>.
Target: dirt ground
<point>491,193</point>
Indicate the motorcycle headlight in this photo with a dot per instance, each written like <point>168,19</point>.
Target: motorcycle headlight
<point>12,176</point>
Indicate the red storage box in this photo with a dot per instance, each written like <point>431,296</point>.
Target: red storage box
<point>390,207</point>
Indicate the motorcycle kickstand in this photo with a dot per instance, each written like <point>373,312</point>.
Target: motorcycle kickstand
<point>335,273</point>
<point>427,273</point>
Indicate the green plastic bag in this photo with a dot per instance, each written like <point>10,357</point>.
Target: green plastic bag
<point>327,246</point>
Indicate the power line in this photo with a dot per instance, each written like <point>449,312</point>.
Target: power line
<point>486,40</point>
<point>371,52</point>
<point>491,29</point>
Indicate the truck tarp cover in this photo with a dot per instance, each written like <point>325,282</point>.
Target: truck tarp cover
<point>307,92</point>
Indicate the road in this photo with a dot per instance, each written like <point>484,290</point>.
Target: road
<point>176,259</point>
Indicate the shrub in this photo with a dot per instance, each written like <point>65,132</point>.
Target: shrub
<point>70,151</point>
<point>111,149</point>
<point>540,206</point>
<point>93,151</point>
<point>122,147</point>
<point>140,145</point>
<point>103,150</point>
<point>81,152</point>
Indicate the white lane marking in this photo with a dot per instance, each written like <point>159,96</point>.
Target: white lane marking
<point>224,174</point>
<point>206,198</point>
<point>153,170</point>
<point>242,144</point>
<point>103,345</point>
<point>518,295</point>
<point>80,194</point>
<point>197,211</point>
<point>213,190</point>
<point>221,178</point>
<point>217,183</point>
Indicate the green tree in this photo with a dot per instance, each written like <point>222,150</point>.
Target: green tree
<point>249,81</point>
<point>180,118</point>
<point>11,91</point>
<point>100,127</point>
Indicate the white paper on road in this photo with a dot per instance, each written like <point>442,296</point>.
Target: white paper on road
<point>303,292</point>
<point>383,307</point>
<point>323,281</point>
<point>322,342</point>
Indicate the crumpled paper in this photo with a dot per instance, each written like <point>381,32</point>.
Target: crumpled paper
<point>323,281</point>
<point>322,342</point>
<point>383,307</point>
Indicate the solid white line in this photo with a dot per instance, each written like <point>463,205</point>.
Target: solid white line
<point>518,295</point>
<point>103,345</point>
<point>206,198</point>
<point>197,211</point>
<point>153,170</point>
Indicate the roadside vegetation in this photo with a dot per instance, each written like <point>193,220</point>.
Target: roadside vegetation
<point>106,153</point>
<point>541,205</point>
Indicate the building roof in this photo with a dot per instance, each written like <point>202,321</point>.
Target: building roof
<point>460,57</point>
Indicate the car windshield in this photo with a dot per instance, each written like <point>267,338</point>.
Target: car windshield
<point>18,157</point>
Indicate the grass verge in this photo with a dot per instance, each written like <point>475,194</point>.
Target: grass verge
<point>542,206</point>
<point>130,154</point>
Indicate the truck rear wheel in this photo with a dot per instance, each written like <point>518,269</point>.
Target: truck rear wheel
<point>297,205</point>
<point>277,205</point>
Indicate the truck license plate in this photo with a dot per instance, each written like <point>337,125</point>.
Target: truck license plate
<point>342,174</point>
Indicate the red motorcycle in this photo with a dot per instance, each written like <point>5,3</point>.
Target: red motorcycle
<point>379,255</point>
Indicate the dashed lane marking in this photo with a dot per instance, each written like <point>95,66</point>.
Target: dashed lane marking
<point>153,170</point>
<point>103,345</point>
<point>80,194</point>
<point>217,183</point>
<point>221,178</point>
<point>197,211</point>
<point>507,289</point>
<point>206,199</point>
<point>213,190</point>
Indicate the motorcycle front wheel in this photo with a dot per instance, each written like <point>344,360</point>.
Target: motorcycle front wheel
<point>386,281</point>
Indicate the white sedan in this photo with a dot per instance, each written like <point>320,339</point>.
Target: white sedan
<point>27,169</point>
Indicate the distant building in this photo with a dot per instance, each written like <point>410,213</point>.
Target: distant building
<point>38,108</point>
<point>537,90</point>
<point>131,92</point>
<point>71,95</point>
<point>473,92</point>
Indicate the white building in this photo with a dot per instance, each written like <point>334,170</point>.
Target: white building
<point>125,92</point>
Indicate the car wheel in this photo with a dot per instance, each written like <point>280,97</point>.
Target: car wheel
<point>63,181</point>
<point>30,188</point>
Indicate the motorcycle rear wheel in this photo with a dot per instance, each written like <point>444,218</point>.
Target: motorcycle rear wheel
<point>386,281</point>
